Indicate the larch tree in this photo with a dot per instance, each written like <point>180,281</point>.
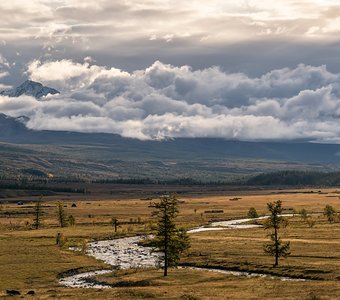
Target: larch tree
<point>276,247</point>
<point>252,214</point>
<point>169,240</point>
<point>61,215</point>
<point>114,223</point>
<point>37,210</point>
<point>330,213</point>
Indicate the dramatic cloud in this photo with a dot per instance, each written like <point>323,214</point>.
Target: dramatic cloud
<point>4,67</point>
<point>165,101</point>
<point>252,73</point>
<point>81,20</point>
<point>249,36</point>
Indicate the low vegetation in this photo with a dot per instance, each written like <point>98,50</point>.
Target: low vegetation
<point>35,259</point>
<point>252,213</point>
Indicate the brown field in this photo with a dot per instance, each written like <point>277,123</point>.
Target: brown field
<point>30,260</point>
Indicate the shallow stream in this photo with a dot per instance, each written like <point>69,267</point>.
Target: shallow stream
<point>125,253</point>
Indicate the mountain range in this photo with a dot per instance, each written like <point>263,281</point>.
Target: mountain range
<point>13,130</point>
<point>114,156</point>
<point>30,88</point>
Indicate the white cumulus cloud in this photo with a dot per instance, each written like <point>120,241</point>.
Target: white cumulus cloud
<point>165,101</point>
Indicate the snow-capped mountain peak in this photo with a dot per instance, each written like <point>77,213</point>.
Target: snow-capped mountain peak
<point>30,88</point>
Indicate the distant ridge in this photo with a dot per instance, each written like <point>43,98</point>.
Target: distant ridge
<point>13,130</point>
<point>30,88</point>
<point>10,127</point>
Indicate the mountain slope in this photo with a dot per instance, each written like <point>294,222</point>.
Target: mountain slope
<point>113,146</point>
<point>30,88</point>
<point>95,155</point>
<point>11,127</point>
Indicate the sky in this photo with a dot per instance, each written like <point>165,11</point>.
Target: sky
<point>155,69</point>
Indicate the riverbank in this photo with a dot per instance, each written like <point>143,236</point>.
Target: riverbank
<point>30,260</point>
<point>127,253</point>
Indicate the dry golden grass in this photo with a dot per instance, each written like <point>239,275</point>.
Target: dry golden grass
<point>29,259</point>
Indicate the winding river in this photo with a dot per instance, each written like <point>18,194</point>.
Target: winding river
<point>125,253</point>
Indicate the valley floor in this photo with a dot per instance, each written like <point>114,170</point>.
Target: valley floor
<point>31,260</point>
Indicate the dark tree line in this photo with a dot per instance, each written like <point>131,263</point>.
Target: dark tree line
<point>296,178</point>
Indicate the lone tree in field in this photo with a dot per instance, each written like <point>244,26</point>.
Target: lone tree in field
<point>276,247</point>
<point>114,223</point>
<point>71,220</point>
<point>329,212</point>
<point>169,240</point>
<point>61,214</point>
<point>303,215</point>
<point>37,214</point>
<point>252,214</point>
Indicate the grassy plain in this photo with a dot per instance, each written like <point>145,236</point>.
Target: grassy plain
<point>30,260</point>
